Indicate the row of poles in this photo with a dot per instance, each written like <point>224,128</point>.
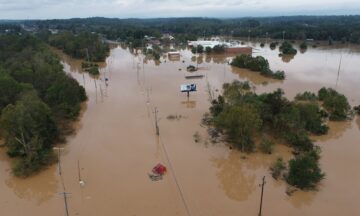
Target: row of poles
<point>65,194</point>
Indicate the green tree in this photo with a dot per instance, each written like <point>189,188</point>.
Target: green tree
<point>304,171</point>
<point>240,123</point>
<point>312,118</point>
<point>219,49</point>
<point>208,50</point>
<point>335,103</point>
<point>194,50</point>
<point>9,89</point>
<point>200,49</point>
<point>287,48</point>
<point>30,132</point>
<point>303,45</point>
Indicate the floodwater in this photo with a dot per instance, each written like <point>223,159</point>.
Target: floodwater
<point>116,146</point>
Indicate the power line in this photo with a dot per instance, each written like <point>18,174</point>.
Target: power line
<point>175,178</point>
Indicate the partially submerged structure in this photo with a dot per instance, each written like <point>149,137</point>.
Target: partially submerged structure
<point>188,87</point>
<point>230,47</point>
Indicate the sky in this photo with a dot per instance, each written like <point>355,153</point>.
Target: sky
<point>54,9</point>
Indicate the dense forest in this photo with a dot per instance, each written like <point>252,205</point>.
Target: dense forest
<point>338,28</point>
<point>84,45</point>
<point>241,116</point>
<point>37,101</point>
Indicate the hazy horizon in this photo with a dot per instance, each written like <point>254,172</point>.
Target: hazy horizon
<point>53,9</point>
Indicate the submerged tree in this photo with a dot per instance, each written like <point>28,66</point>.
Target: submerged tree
<point>287,48</point>
<point>240,123</point>
<point>335,103</point>
<point>304,171</point>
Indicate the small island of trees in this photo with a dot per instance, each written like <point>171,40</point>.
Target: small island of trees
<point>259,64</point>
<point>241,115</point>
<point>287,48</point>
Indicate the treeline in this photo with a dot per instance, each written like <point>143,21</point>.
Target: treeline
<point>37,101</point>
<point>84,45</point>
<point>242,115</point>
<point>338,28</point>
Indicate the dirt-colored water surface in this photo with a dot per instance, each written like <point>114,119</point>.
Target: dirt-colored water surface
<point>116,146</point>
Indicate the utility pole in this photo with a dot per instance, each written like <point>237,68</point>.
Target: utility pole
<point>59,154</point>
<point>338,74</point>
<point>262,193</point>
<point>156,121</point>
<point>79,171</point>
<point>64,194</point>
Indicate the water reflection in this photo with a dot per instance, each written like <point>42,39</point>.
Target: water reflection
<point>287,58</point>
<point>189,103</point>
<point>174,58</point>
<point>358,122</point>
<point>237,183</point>
<point>39,188</point>
<point>336,131</point>
<point>253,76</point>
<point>302,51</point>
<point>200,59</point>
<point>302,198</point>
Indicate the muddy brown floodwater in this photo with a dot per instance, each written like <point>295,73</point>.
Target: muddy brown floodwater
<point>116,146</point>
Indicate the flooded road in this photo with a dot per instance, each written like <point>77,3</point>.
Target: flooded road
<point>116,146</point>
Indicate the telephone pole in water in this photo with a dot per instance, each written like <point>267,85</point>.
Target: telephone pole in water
<point>262,193</point>
<point>156,121</point>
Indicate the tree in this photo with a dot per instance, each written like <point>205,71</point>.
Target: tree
<point>257,63</point>
<point>303,45</point>
<point>287,48</point>
<point>208,50</point>
<point>239,123</point>
<point>357,109</point>
<point>335,103</point>
<point>277,168</point>
<point>312,118</point>
<point>273,45</point>
<point>266,146</point>
<point>200,49</point>
<point>30,132</point>
<point>304,171</point>
<point>194,50</point>
<point>35,97</point>
<point>219,49</point>
<point>9,89</point>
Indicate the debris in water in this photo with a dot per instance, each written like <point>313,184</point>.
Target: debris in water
<point>157,172</point>
<point>197,137</point>
<point>155,177</point>
<point>159,169</point>
<point>175,117</point>
<point>191,68</point>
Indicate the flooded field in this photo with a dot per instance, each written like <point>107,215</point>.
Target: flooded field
<point>116,146</point>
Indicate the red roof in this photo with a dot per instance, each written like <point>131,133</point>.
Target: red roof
<point>159,169</point>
